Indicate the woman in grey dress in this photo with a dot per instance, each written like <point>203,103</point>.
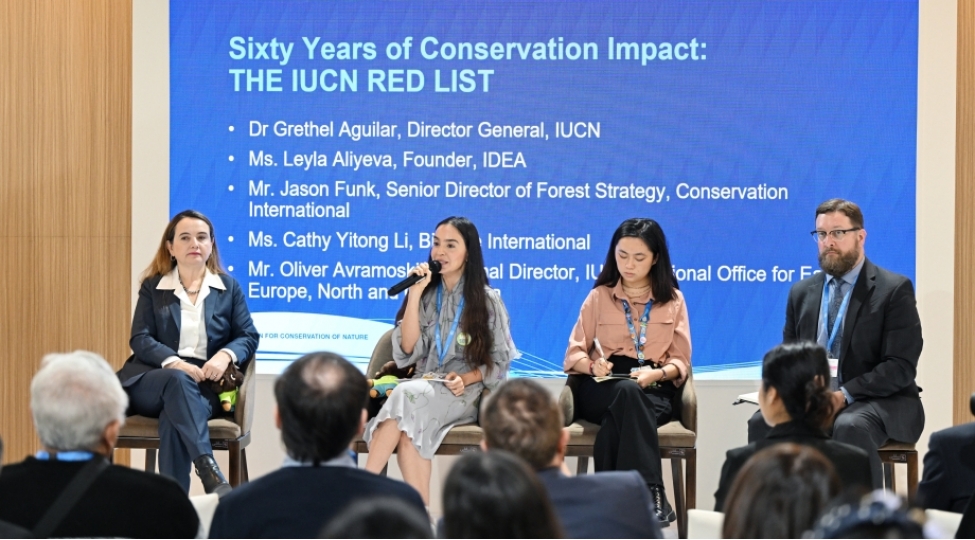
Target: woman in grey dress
<point>455,328</point>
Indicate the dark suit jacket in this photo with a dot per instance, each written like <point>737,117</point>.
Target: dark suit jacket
<point>949,469</point>
<point>156,327</point>
<point>296,502</point>
<point>612,504</point>
<point>9,530</point>
<point>881,343</point>
<point>851,463</point>
<point>966,529</point>
<point>121,503</point>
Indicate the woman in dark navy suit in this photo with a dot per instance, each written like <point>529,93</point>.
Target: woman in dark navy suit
<point>190,323</point>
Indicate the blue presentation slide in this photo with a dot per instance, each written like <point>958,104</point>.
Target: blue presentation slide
<point>326,140</point>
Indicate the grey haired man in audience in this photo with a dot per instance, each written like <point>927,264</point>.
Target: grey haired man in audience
<point>69,489</point>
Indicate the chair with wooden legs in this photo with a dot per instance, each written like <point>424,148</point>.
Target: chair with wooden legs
<point>893,453</point>
<point>678,443</point>
<point>231,434</point>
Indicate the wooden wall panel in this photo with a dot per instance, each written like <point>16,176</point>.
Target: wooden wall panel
<point>964,357</point>
<point>65,177</point>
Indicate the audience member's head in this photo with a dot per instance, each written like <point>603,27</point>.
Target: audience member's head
<point>496,495</point>
<point>795,378</point>
<point>381,517</point>
<point>523,418</point>
<point>779,493</point>
<point>77,403</point>
<point>1,453</point>
<point>321,406</point>
<point>875,515</point>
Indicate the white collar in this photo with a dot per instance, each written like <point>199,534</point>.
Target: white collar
<point>170,281</point>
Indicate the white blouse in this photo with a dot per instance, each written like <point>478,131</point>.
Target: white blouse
<point>192,328</point>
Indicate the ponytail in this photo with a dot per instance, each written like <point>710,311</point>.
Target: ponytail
<point>799,372</point>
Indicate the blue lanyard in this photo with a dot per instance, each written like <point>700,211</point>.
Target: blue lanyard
<point>840,313</point>
<point>65,456</point>
<point>639,340</point>
<point>442,351</point>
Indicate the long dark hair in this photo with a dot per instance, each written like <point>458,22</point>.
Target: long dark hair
<point>799,372</point>
<point>779,493</point>
<point>474,320</point>
<point>496,495</point>
<point>662,278</point>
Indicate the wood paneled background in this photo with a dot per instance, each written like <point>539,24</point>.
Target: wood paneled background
<point>65,204</point>
<point>964,353</point>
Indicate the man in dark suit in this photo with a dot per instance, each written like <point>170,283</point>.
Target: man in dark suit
<point>521,417</point>
<point>78,407</point>
<point>866,317</point>
<point>321,407</point>
<point>949,468</point>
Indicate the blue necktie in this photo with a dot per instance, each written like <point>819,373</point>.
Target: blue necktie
<point>835,299</point>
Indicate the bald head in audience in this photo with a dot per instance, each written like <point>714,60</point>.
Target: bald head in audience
<point>321,406</point>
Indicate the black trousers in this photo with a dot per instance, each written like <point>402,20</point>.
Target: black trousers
<point>628,417</point>
<point>859,424</point>
<point>183,407</point>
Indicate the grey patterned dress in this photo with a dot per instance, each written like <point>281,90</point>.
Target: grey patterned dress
<point>426,410</point>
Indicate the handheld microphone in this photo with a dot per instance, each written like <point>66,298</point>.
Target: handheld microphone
<point>411,279</point>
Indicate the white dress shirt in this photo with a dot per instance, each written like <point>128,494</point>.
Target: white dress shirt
<point>192,328</point>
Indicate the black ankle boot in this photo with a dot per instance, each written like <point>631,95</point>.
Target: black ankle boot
<point>665,514</point>
<point>210,475</point>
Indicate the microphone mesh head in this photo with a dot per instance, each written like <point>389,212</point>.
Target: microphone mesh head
<point>435,267</point>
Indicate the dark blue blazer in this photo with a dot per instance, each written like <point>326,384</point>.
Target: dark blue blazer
<point>297,502</point>
<point>611,504</point>
<point>156,327</point>
<point>949,469</point>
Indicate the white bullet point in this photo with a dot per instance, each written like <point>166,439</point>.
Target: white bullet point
<point>231,128</point>
<point>230,268</point>
<point>231,158</point>
<point>230,188</point>
<point>230,238</point>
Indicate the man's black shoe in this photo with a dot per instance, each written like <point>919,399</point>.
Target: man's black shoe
<point>665,514</point>
<point>210,475</point>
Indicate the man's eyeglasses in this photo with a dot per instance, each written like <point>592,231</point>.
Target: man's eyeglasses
<point>838,234</point>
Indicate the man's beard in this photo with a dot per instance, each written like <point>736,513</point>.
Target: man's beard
<point>839,266</point>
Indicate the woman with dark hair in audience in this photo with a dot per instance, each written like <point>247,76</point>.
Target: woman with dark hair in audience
<point>454,328</point>
<point>496,495</point>
<point>191,322</point>
<point>779,493</point>
<point>379,517</point>
<point>795,401</point>
<point>633,324</point>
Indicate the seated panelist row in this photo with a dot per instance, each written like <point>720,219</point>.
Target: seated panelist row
<point>192,323</point>
<point>634,327</point>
